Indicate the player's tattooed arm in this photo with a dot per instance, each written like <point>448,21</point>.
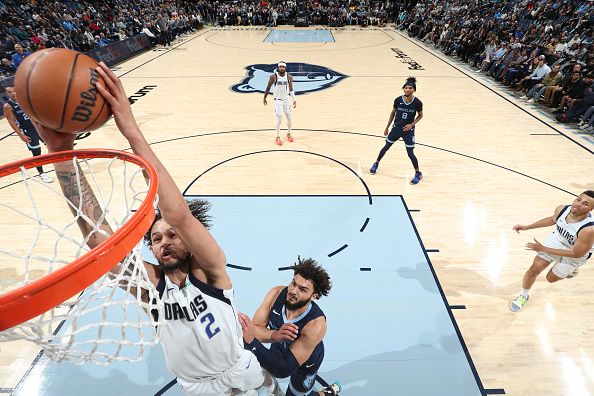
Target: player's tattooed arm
<point>83,203</point>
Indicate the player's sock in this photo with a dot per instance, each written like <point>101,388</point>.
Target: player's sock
<point>524,292</point>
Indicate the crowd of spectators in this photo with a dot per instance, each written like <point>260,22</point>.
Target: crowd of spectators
<point>28,26</point>
<point>543,50</point>
<point>317,12</point>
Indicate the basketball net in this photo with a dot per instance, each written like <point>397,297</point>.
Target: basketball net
<point>110,320</point>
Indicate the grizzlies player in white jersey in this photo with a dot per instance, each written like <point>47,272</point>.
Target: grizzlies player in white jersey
<point>407,111</point>
<point>294,324</point>
<point>283,87</point>
<point>569,246</point>
<point>23,126</point>
<point>201,337</point>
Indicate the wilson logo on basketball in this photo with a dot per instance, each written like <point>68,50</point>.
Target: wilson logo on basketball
<point>85,109</point>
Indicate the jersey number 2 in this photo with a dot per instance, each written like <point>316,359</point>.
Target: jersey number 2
<point>210,319</point>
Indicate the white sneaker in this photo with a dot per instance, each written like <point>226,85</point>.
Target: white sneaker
<point>518,303</point>
<point>584,126</point>
<point>523,97</point>
<point>46,178</point>
<point>530,100</point>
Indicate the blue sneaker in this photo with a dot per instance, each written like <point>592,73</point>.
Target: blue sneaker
<point>418,177</point>
<point>374,168</point>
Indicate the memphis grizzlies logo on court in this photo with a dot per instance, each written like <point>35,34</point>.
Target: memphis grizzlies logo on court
<point>306,78</point>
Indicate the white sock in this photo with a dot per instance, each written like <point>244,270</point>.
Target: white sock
<point>524,292</point>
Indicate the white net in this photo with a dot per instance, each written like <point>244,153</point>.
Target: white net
<point>111,320</point>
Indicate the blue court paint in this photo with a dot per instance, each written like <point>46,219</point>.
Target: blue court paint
<point>299,36</point>
<point>389,330</point>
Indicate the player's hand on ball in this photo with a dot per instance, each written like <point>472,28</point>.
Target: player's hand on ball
<point>116,96</point>
<point>287,332</point>
<point>247,327</point>
<point>518,228</point>
<point>55,141</point>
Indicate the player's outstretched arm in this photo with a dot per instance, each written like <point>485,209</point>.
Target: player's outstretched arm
<point>77,190</point>
<point>172,204</point>
<point>545,222</point>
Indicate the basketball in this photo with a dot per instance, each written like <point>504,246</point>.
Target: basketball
<point>56,88</point>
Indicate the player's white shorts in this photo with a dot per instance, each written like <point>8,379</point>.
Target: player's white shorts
<point>563,265</point>
<point>246,374</point>
<point>282,106</point>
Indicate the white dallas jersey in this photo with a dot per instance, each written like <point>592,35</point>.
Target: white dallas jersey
<point>281,86</point>
<point>201,336</point>
<point>567,233</point>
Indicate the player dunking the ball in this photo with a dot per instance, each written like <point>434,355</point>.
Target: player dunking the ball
<point>283,87</point>
<point>569,246</point>
<point>406,113</point>
<point>201,335</point>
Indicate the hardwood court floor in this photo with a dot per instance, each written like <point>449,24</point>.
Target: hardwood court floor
<point>488,165</point>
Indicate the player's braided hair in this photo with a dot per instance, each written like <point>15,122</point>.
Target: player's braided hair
<point>411,81</point>
<point>199,209</point>
<point>309,269</point>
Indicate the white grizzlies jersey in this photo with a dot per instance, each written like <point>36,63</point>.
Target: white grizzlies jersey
<point>567,233</point>
<point>281,86</point>
<point>201,336</point>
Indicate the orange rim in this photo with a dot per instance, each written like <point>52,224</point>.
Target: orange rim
<point>37,297</point>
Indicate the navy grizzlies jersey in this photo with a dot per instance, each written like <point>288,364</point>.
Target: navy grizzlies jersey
<point>276,318</point>
<point>406,112</point>
<point>22,118</point>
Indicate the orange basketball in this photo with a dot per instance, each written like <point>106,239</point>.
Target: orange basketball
<point>56,87</point>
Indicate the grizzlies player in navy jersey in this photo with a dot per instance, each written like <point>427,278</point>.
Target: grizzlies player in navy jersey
<point>569,246</point>
<point>22,125</point>
<point>294,324</point>
<point>283,87</point>
<point>406,113</point>
<point>201,336</point>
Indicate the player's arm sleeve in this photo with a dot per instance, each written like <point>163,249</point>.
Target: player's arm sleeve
<point>281,366</point>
